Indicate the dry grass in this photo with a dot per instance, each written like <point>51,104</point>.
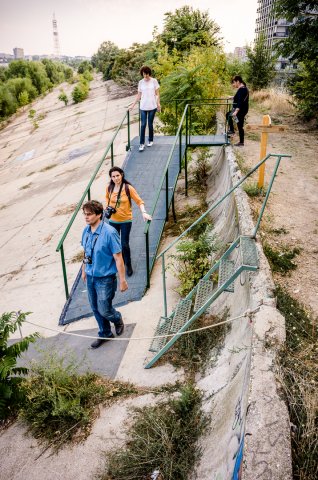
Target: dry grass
<point>65,210</point>
<point>275,101</point>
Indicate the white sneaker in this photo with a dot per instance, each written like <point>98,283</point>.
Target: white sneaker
<point>149,144</point>
<point>141,148</point>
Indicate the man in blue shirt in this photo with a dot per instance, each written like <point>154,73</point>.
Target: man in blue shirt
<point>102,261</point>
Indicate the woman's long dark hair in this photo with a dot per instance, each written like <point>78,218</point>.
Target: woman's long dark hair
<point>238,78</point>
<point>111,184</point>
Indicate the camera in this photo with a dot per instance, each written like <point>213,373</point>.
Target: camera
<point>87,260</point>
<point>109,211</point>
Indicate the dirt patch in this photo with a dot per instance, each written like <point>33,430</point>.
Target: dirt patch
<point>291,217</point>
<point>64,210</point>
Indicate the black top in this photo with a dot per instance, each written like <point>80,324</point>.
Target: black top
<point>241,100</point>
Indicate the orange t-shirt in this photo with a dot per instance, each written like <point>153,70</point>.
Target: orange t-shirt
<point>123,209</point>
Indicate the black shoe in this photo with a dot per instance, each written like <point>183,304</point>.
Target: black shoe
<point>97,343</point>
<point>230,132</point>
<point>119,327</point>
<point>129,271</point>
<point>239,144</point>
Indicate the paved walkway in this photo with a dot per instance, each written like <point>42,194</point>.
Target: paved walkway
<point>144,171</point>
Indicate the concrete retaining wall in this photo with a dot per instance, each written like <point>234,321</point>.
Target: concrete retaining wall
<point>249,422</point>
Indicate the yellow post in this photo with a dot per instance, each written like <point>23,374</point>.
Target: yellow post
<point>264,136</point>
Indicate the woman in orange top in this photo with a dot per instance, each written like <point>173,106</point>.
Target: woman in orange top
<point>118,209</point>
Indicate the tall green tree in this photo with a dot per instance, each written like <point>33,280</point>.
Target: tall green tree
<point>105,57</point>
<point>301,46</point>
<point>187,27</point>
<point>128,62</point>
<point>302,41</point>
<point>260,65</point>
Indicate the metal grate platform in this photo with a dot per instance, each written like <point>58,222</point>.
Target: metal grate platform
<point>226,271</point>
<point>204,292</point>
<point>163,328</point>
<point>248,252</point>
<point>181,315</point>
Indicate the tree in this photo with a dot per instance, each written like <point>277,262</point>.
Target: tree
<point>105,57</point>
<point>85,66</point>
<point>260,65</point>
<point>187,27</point>
<point>200,76</point>
<point>302,41</point>
<point>63,97</point>
<point>128,62</point>
<point>301,46</point>
<point>23,98</point>
<point>10,379</point>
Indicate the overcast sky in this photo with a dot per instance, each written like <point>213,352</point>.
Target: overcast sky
<point>84,24</point>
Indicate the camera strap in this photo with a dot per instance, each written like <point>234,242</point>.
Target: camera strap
<point>118,196</point>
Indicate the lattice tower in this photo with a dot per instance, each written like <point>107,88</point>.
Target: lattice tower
<point>56,42</point>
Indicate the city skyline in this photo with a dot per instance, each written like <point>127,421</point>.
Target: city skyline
<point>82,27</point>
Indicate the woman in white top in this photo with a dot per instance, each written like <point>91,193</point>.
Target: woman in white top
<point>148,95</point>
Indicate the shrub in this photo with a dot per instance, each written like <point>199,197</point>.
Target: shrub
<point>60,402</point>
<point>11,393</point>
<point>80,92</point>
<point>192,260</point>
<point>63,97</point>
<point>281,260</point>
<point>164,438</point>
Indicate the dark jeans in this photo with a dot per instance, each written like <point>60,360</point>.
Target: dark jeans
<point>101,291</point>
<point>143,118</point>
<point>124,231</point>
<point>240,124</point>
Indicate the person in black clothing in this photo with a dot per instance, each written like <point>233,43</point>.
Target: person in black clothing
<point>240,109</point>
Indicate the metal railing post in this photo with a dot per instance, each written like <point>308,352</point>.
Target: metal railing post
<point>112,154</point>
<point>190,123</point>
<point>128,130</point>
<point>180,149</point>
<point>186,171</point>
<point>267,195</point>
<point>176,112</point>
<point>147,259</point>
<point>164,287</point>
<point>187,128</point>
<point>64,272</point>
<point>167,196</point>
<point>89,194</point>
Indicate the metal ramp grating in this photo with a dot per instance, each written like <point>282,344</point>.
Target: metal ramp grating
<point>181,315</point>
<point>204,292</point>
<point>163,328</point>
<point>248,252</point>
<point>226,270</point>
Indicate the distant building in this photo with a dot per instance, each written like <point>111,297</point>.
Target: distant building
<point>240,53</point>
<point>18,53</point>
<point>273,29</point>
<point>6,57</point>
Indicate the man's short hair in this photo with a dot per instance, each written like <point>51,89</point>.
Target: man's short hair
<point>146,70</point>
<point>93,206</point>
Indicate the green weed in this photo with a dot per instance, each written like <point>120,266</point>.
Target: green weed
<point>281,260</point>
<point>253,190</point>
<point>61,404</point>
<point>163,437</point>
<point>297,372</point>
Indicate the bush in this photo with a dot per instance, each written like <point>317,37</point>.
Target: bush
<point>63,97</point>
<point>11,393</point>
<point>60,402</point>
<point>80,92</point>
<point>164,438</point>
<point>192,260</point>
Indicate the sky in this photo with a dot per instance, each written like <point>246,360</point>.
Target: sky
<point>84,24</point>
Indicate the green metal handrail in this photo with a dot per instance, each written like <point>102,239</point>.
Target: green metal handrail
<point>216,204</point>
<point>186,116</point>
<point>164,179</point>
<point>87,191</point>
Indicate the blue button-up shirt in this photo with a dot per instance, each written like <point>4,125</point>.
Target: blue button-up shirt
<point>101,246</point>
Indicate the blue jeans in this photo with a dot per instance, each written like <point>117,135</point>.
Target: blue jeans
<point>143,117</point>
<point>123,229</point>
<point>101,291</point>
